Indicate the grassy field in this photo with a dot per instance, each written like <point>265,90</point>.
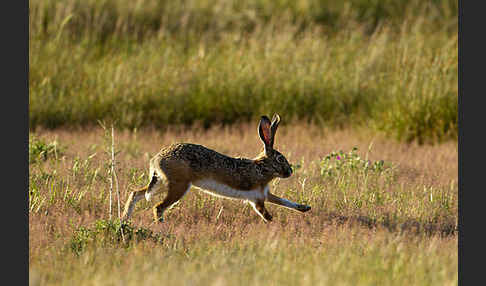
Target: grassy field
<point>349,78</point>
<point>385,213</point>
<point>391,65</point>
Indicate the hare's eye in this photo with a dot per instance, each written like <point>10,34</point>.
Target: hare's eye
<point>280,159</point>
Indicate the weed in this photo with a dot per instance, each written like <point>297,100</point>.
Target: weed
<point>40,150</point>
<point>110,233</point>
<point>349,170</point>
<point>338,163</point>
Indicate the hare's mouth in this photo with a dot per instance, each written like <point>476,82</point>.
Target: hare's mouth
<point>285,174</point>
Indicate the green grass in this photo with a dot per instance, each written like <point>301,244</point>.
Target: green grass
<point>40,150</point>
<point>387,64</point>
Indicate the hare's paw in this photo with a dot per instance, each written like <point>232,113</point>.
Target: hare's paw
<point>267,216</point>
<point>158,216</point>
<point>159,219</point>
<point>303,208</point>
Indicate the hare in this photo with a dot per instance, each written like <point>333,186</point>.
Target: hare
<point>179,166</point>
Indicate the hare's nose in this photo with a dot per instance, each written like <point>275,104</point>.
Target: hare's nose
<point>287,173</point>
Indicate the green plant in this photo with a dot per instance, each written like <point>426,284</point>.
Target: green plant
<point>110,233</point>
<point>358,184</point>
<point>40,150</point>
<point>338,164</point>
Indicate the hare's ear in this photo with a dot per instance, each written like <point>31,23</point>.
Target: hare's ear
<point>274,126</point>
<point>265,132</point>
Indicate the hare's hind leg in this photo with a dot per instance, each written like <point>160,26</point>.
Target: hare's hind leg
<point>260,209</point>
<point>175,192</point>
<point>286,203</point>
<point>137,195</point>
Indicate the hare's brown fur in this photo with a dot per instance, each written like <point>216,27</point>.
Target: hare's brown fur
<point>181,165</point>
<point>200,162</point>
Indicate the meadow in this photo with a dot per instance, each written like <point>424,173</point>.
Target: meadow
<point>384,213</point>
<point>367,91</point>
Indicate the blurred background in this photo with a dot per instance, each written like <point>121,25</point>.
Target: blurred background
<point>390,66</point>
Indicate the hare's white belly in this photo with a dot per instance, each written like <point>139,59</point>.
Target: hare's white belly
<point>218,189</point>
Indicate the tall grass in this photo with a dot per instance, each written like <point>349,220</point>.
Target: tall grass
<point>388,64</point>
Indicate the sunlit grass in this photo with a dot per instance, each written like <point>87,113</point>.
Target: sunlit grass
<point>340,256</point>
<point>375,219</point>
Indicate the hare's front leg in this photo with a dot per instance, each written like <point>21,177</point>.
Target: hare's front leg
<point>259,207</point>
<point>286,203</point>
<point>176,190</point>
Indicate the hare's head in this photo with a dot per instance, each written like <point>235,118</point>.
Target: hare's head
<point>273,160</point>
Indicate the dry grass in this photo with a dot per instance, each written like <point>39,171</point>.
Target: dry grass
<point>409,239</point>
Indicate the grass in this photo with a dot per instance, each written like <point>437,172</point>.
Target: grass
<point>383,212</point>
<point>391,65</point>
<point>340,257</point>
<point>348,79</point>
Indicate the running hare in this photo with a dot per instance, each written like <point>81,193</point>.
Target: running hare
<point>177,167</point>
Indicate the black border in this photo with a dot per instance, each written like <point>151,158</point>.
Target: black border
<point>472,48</point>
<point>460,144</point>
<point>14,23</point>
